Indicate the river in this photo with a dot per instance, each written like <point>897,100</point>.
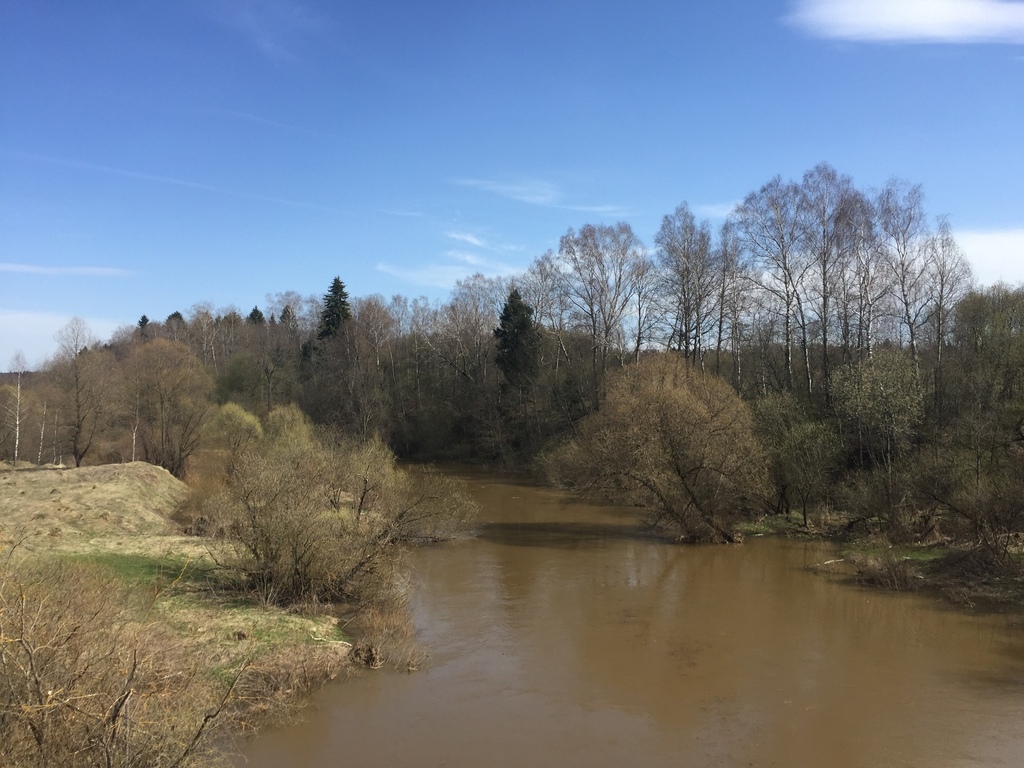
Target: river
<point>558,636</point>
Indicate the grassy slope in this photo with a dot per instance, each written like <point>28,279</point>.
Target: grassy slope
<point>119,518</point>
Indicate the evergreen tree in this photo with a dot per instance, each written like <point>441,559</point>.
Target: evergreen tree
<point>335,312</point>
<point>256,317</point>
<point>518,339</point>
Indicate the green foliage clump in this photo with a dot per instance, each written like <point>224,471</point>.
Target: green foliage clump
<point>315,519</point>
<point>518,340</point>
<point>335,312</point>
<point>804,453</point>
<point>674,441</point>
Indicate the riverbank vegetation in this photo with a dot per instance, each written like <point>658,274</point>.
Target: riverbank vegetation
<point>674,442</point>
<point>821,363</point>
<point>125,643</point>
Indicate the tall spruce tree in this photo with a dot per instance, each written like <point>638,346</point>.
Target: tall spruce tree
<point>335,312</point>
<point>518,339</point>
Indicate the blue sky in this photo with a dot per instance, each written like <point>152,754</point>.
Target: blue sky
<point>155,155</point>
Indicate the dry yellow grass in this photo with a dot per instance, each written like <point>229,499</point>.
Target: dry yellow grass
<point>113,507</point>
<point>121,517</point>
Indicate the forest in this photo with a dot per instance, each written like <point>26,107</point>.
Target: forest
<point>879,389</point>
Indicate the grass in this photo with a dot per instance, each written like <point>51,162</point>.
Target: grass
<point>148,570</point>
<point>119,519</point>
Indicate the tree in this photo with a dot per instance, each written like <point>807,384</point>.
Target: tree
<point>674,441</point>
<point>803,452</point>
<point>732,301</point>
<point>173,399</point>
<point>692,280</point>
<point>596,274</point>
<point>829,207</point>
<point>255,317</point>
<point>904,243</point>
<point>315,519</point>
<point>335,311</point>
<point>86,680</point>
<point>14,410</point>
<point>880,403</point>
<point>951,279</point>
<point>770,223</point>
<point>81,374</point>
<point>518,355</point>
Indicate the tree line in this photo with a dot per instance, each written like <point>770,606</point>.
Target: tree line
<point>846,319</point>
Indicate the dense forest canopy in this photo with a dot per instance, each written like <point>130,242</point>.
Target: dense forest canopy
<point>847,319</point>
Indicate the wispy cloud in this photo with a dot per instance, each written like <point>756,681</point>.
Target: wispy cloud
<point>468,238</point>
<point>171,180</point>
<point>404,214</point>
<point>914,21</point>
<point>36,269</point>
<point>532,192</point>
<point>275,27</point>
<point>259,120</point>
<point>996,255</point>
<point>471,259</point>
<point>457,266</point>
<point>537,192</point>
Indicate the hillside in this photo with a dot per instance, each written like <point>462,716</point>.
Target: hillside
<point>113,506</point>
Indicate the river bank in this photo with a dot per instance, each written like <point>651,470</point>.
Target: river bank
<point>969,577</point>
<point>97,548</point>
<point>566,620</point>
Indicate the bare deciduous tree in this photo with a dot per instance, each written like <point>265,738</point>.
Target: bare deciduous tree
<point>597,277</point>
<point>770,223</point>
<point>904,241</point>
<point>693,280</point>
<point>81,372</point>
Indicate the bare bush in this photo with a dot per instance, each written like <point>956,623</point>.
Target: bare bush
<point>85,682</point>
<point>313,520</point>
<point>887,571</point>
<point>674,441</point>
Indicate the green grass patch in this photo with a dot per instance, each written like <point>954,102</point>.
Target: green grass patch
<point>146,570</point>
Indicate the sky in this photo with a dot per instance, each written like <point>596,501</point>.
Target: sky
<point>161,154</point>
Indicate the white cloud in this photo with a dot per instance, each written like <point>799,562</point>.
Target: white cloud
<point>995,255</point>
<point>35,269</point>
<point>537,192</point>
<point>922,21</point>
<point>251,118</point>
<point>465,257</point>
<point>404,214</point>
<point>32,334</point>
<point>445,275</point>
<point>467,237</point>
<point>533,192</point>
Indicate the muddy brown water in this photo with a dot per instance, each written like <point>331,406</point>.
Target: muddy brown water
<point>559,637</point>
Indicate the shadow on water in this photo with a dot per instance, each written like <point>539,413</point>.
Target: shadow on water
<point>563,535</point>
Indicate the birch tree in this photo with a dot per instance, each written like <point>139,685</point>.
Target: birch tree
<point>771,228</point>
<point>692,279</point>
<point>597,277</point>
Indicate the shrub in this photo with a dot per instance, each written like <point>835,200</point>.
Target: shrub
<point>674,441</point>
<point>84,681</point>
